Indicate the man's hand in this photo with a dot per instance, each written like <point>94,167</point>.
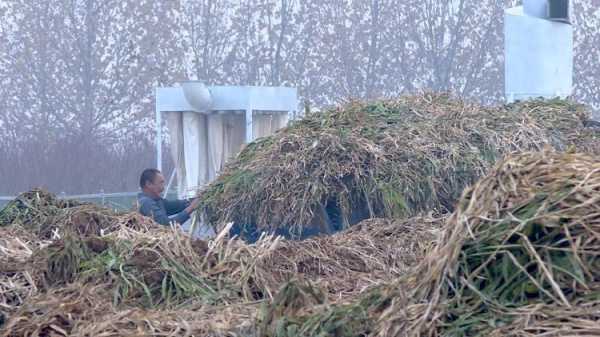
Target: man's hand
<point>193,205</point>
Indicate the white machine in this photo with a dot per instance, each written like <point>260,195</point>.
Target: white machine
<point>538,50</point>
<point>209,124</point>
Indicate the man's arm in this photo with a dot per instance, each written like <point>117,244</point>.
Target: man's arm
<point>151,208</point>
<point>175,206</point>
<point>180,217</point>
<point>188,206</point>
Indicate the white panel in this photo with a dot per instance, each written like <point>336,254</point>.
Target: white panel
<point>267,124</point>
<point>234,134</point>
<point>274,99</point>
<point>195,149</point>
<point>172,99</point>
<point>175,125</point>
<point>538,57</point>
<point>210,139</point>
<point>537,8</point>
<point>216,146</point>
<point>227,98</point>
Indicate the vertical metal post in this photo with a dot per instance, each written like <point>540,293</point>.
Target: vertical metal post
<point>510,98</point>
<point>249,125</point>
<point>158,133</point>
<point>170,183</point>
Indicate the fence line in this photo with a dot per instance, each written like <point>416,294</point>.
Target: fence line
<point>87,196</point>
<point>105,199</point>
<point>117,200</point>
<point>84,196</point>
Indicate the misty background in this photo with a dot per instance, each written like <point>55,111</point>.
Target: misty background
<point>77,76</point>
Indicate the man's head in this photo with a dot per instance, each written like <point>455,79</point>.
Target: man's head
<point>152,182</point>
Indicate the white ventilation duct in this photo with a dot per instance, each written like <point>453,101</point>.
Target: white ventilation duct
<point>197,95</point>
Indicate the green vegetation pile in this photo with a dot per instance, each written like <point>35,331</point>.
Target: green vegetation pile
<point>518,257</point>
<point>393,158</point>
<point>522,242</point>
<point>82,310</point>
<point>373,252</point>
<point>129,273</point>
<point>47,216</point>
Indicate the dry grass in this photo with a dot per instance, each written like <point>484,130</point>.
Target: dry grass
<point>371,253</point>
<point>137,274</point>
<point>518,257</point>
<point>18,280</point>
<point>583,319</point>
<point>48,217</point>
<point>166,269</point>
<point>526,236</point>
<point>82,310</point>
<point>393,158</point>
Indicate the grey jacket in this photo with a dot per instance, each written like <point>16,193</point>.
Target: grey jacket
<point>163,211</point>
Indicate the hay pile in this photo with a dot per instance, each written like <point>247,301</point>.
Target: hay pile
<point>165,269</point>
<point>17,279</point>
<point>370,253</point>
<point>82,310</point>
<point>121,276</point>
<point>36,223</point>
<point>523,240</point>
<point>31,225</point>
<point>519,257</point>
<point>393,158</point>
<point>43,214</point>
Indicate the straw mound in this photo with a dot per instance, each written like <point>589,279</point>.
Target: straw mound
<point>129,269</point>
<point>17,279</point>
<point>57,313</point>
<point>32,229</point>
<point>49,217</point>
<point>544,320</point>
<point>302,310</point>
<point>163,268</point>
<point>522,240</point>
<point>83,310</point>
<point>372,252</point>
<point>519,257</point>
<point>152,269</point>
<point>391,158</point>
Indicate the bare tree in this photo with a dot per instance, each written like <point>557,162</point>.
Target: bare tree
<point>586,21</point>
<point>207,38</point>
<point>78,78</point>
<point>119,56</point>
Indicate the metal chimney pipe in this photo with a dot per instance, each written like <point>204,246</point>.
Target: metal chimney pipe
<point>536,8</point>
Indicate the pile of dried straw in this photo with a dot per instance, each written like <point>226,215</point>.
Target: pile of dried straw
<point>519,257</point>
<point>126,276</point>
<point>392,158</point>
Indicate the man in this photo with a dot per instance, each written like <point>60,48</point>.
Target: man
<point>163,211</point>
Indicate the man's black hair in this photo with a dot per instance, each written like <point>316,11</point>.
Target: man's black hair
<point>148,176</point>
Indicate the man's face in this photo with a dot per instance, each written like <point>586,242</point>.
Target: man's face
<point>157,185</point>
